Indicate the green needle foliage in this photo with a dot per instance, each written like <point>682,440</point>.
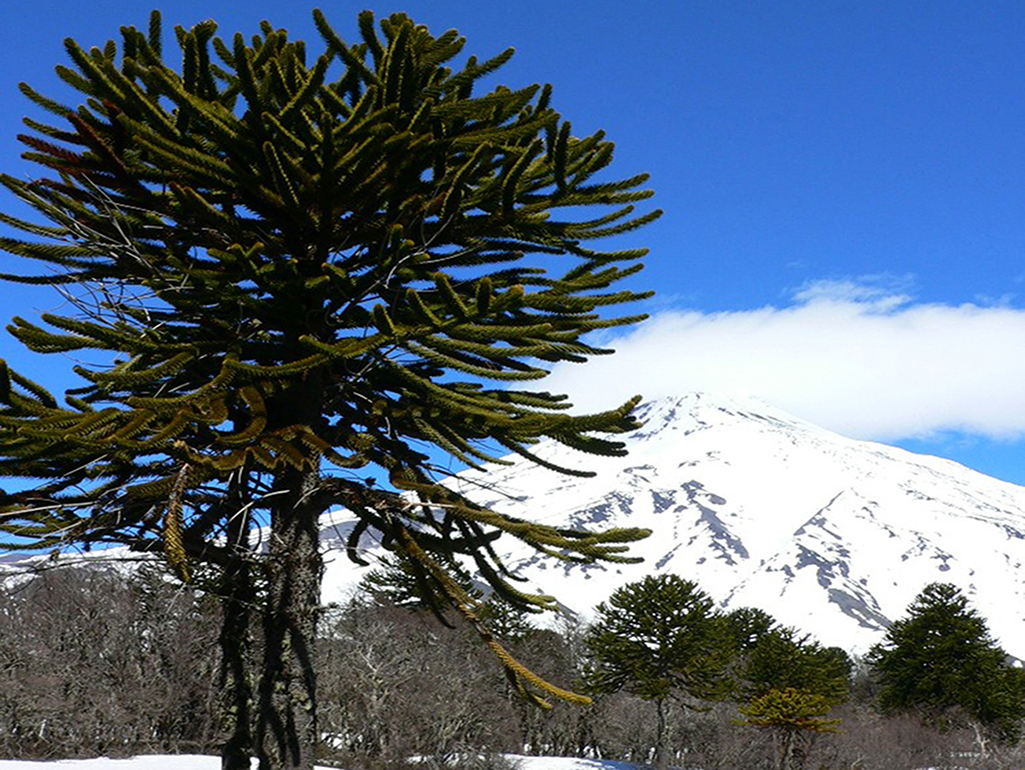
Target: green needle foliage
<point>299,266</point>
<point>783,659</point>
<point>657,637</point>
<point>789,684</point>
<point>941,662</point>
<point>660,639</point>
<point>748,625</point>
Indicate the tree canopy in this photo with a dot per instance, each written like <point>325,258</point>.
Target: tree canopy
<point>659,638</point>
<point>789,683</point>
<point>940,661</point>
<point>300,269</point>
<point>782,659</point>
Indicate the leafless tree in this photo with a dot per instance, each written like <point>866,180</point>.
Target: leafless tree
<point>90,664</point>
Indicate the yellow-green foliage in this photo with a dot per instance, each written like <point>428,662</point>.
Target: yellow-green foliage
<point>790,709</point>
<point>307,264</point>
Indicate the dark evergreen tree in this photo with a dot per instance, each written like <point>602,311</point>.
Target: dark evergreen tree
<point>783,659</point>
<point>659,638</point>
<point>747,625</point>
<point>788,684</point>
<point>941,662</point>
<point>395,584</point>
<point>302,266</point>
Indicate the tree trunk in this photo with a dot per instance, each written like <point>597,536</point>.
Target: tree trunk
<point>661,749</point>
<point>237,601</point>
<point>287,720</point>
<point>981,741</point>
<point>786,755</point>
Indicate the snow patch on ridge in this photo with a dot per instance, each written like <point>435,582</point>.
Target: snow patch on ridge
<point>831,535</point>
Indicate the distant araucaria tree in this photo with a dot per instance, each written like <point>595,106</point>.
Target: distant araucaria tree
<point>788,684</point>
<point>941,662</point>
<point>661,639</point>
<point>294,267</point>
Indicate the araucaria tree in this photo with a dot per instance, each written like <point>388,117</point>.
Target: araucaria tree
<point>941,663</point>
<point>789,683</point>
<point>791,715</point>
<point>661,639</point>
<point>296,267</point>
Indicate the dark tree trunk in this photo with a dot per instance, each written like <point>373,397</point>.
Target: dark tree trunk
<point>287,720</point>
<point>237,601</point>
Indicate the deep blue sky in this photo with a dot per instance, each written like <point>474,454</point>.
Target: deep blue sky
<point>854,150</point>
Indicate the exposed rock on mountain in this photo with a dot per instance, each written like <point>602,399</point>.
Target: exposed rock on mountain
<point>831,535</point>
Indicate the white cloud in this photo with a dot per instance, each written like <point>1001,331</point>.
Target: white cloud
<point>862,361</point>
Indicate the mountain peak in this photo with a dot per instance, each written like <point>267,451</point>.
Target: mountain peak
<point>703,409</point>
<point>832,535</point>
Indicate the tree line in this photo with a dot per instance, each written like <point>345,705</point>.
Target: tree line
<point>94,663</point>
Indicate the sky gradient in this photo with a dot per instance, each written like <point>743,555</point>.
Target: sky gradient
<point>842,182</point>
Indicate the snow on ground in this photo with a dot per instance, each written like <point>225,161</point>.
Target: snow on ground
<point>194,762</point>
<point>178,762</point>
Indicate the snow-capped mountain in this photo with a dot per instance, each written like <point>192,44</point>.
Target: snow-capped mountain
<point>831,535</point>
<point>828,534</point>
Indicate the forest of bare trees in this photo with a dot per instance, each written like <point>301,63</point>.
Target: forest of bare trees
<point>99,662</point>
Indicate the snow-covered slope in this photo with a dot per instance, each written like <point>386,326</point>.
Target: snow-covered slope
<point>828,534</point>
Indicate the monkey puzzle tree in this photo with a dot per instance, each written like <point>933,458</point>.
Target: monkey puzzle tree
<point>789,683</point>
<point>941,662</point>
<point>300,267</point>
<point>783,658</point>
<point>790,714</point>
<point>661,639</point>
